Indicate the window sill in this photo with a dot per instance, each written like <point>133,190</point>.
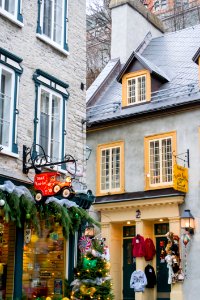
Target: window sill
<point>161,186</point>
<point>110,193</point>
<point>9,153</point>
<point>51,43</point>
<point>11,17</point>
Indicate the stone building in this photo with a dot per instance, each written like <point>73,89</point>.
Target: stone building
<point>143,126</point>
<point>42,101</point>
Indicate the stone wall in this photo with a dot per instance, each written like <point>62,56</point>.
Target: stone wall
<point>36,54</point>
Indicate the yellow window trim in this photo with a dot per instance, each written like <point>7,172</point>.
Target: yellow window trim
<point>133,75</point>
<point>98,167</point>
<point>147,139</point>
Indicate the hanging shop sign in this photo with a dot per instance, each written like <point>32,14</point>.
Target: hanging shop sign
<point>52,183</point>
<point>180,178</point>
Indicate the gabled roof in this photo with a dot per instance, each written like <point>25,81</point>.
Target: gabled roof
<point>172,57</point>
<point>147,65</point>
<point>101,79</point>
<point>196,56</point>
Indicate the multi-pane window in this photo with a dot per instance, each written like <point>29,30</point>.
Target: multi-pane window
<point>110,167</point>
<point>161,161</point>
<point>6,106</point>
<point>136,89</point>
<point>159,151</point>
<point>160,4</point>
<point>9,6</point>
<point>50,132</point>
<point>12,9</point>
<point>52,24</point>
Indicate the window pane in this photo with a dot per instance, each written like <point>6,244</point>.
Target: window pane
<point>5,106</point>
<point>105,162</point>
<point>55,129</point>
<point>58,20</point>
<point>110,169</point>
<point>166,160</point>
<point>154,162</point>
<point>141,88</point>
<point>44,262</point>
<point>44,121</point>
<point>115,168</point>
<point>47,18</point>
<point>131,91</point>
<point>10,6</point>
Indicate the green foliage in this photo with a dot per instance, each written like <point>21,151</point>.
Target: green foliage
<point>22,210</point>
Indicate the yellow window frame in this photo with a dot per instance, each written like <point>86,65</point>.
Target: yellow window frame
<point>133,75</point>
<point>100,148</point>
<point>147,140</point>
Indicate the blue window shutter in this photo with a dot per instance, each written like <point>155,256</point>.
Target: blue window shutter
<point>15,112</point>
<point>65,26</point>
<point>63,131</point>
<point>19,15</point>
<point>36,113</point>
<point>39,30</point>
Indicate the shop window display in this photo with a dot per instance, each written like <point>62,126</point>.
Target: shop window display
<point>43,263</point>
<point>4,237</point>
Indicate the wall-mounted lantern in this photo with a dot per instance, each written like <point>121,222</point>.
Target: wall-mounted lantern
<point>88,152</point>
<point>187,221</point>
<point>89,230</point>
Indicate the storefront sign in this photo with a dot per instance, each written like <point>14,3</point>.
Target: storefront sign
<point>180,178</point>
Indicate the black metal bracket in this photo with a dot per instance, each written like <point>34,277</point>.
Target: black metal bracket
<point>185,157</point>
<point>33,160</point>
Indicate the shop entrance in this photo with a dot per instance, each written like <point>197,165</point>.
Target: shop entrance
<point>163,288</point>
<point>128,264</point>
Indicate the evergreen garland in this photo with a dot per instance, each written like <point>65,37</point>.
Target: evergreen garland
<point>21,209</point>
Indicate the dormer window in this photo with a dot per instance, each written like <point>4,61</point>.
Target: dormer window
<point>136,88</point>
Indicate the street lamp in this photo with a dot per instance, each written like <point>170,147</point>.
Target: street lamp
<point>88,151</point>
<point>187,221</point>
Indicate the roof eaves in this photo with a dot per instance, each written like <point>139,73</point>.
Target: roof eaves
<point>145,113</point>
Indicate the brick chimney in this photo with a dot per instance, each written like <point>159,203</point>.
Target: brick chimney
<point>131,22</point>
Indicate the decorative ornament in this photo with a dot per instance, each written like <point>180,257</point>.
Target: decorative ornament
<point>54,236</point>
<point>107,266</point>
<point>48,298</point>
<point>84,244</point>
<point>34,238</point>
<point>89,263</point>
<point>87,291</point>
<point>76,216</point>
<point>28,216</point>
<point>186,239</point>
<point>65,298</point>
<point>27,235</point>
<point>2,202</point>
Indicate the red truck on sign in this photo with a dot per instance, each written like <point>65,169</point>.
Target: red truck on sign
<point>52,183</point>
